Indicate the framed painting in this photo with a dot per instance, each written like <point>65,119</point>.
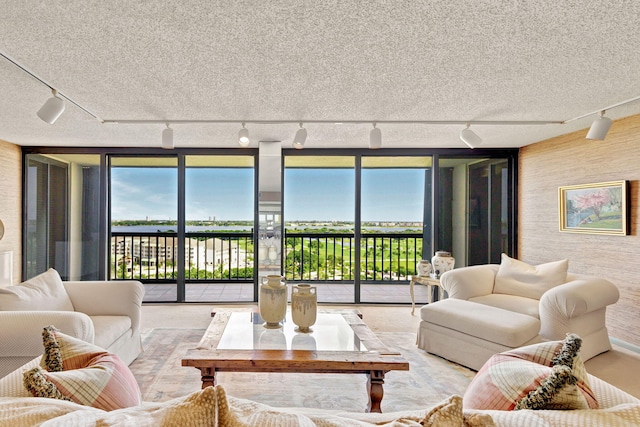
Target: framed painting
<point>594,208</point>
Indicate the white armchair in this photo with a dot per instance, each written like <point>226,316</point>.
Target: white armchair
<point>107,313</point>
<point>577,306</point>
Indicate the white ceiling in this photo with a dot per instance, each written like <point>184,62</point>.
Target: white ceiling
<point>257,60</point>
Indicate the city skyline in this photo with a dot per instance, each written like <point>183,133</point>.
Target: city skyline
<point>388,195</point>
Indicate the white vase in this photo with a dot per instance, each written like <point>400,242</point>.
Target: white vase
<point>262,251</point>
<point>423,267</point>
<point>273,300</point>
<point>273,254</point>
<point>304,306</point>
<point>442,262</point>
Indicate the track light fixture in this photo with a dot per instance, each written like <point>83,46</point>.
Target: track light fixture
<point>52,108</point>
<point>243,136</point>
<point>469,137</point>
<point>167,138</point>
<point>599,127</point>
<point>300,138</point>
<point>375,138</point>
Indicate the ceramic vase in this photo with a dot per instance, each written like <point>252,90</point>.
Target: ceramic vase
<point>442,262</point>
<point>262,251</point>
<point>273,300</point>
<point>272,254</point>
<point>304,306</point>
<point>423,267</point>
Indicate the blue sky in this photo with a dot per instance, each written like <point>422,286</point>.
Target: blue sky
<point>227,193</point>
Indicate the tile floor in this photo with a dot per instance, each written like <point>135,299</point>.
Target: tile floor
<point>327,293</point>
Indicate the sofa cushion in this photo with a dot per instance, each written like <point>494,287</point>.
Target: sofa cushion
<point>548,375</point>
<point>522,305</point>
<point>496,325</point>
<point>83,373</point>
<point>42,292</point>
<point>515,277</point>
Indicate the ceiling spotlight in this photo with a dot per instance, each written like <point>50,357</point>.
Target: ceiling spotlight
<point>300,138</point>
<point>599,127</point>
<point>167,138</point>
<point>243,136</point>
<point>469,137</point>
<point>375,138</point>
<point>52,109</point>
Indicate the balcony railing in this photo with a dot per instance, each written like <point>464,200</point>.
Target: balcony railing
<point>229,256</point>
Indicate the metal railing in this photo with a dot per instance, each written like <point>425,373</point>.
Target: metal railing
<point>229,256</point>
<point>384,257</point>
<point>153,257</point>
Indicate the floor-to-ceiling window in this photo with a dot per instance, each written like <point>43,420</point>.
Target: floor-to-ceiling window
<point>395,218</point>
<point>144,242</point>
<point>475,209</point>
<point>219,222</point>
<point>62,216</point>
<point>319,216</point>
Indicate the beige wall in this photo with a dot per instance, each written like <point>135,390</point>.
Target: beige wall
<point>10,205</point>
<point>572,159</point>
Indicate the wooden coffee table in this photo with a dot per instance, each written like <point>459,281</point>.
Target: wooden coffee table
<point>340,342</point>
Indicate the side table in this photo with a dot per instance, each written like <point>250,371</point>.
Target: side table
<point>428,282</point>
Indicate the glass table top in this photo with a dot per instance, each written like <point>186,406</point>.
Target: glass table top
<point>331,332</point>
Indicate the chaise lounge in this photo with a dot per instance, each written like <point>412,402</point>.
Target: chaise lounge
<point>494,308</point>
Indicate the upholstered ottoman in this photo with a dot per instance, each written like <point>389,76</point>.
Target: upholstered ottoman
<point>470,333</point>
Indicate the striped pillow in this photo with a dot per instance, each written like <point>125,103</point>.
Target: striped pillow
<point>549,375</point>
<point>83,373</point>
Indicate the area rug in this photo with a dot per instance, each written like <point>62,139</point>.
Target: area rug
<point>430,379</point>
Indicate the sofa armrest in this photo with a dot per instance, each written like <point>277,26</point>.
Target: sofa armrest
<point>469,282</point>
<point>108,298</point>
<point>578,297</point>
<point>21,331</point>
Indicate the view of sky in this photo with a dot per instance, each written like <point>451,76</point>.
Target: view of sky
<point>227,194</point>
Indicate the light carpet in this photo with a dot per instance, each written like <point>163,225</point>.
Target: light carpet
<point>430,379</point>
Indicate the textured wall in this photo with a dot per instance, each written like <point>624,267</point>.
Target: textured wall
<point>572,159</point>
<point>10,206</point>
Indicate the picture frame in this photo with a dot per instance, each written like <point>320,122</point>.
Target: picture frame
<point>599,208</point>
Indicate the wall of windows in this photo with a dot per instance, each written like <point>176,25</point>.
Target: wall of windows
<point>186,222</point>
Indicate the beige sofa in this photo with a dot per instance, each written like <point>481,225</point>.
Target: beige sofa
<point>484,316</point>
<point>212,407</point>
<point>107,313</point>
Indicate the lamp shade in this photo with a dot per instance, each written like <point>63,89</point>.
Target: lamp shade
<point>470,138</point>
<point>599,128</point>
<point>375,139</point>
<point>167,138</point>
<point>300,138</point>
<point>51,110</point>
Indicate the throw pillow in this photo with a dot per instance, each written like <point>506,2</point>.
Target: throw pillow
<point>42,292</point>
<point>549,375</point>
<point>515,277</point>
<point>82,373</point>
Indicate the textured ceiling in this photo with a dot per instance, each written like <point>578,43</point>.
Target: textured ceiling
<point>450,60</point>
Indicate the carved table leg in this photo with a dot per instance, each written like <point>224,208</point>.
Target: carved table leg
<point>208,376</point>
<point>375,380</point>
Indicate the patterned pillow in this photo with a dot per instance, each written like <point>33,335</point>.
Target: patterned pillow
<point>549,375</point>
<point>83,373</point>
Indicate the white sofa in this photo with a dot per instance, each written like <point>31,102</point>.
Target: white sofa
<point>107,313</point>
<point>480,318</point>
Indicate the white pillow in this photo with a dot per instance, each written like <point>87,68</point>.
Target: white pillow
<point>42,292</point>
<point>515,277</point>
